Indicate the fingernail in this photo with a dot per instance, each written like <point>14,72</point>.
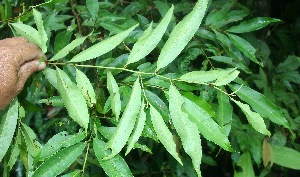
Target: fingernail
<point>42,66</point>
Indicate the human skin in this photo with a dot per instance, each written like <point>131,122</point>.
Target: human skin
<point>18,60</point>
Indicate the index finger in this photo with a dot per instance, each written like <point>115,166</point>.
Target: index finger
<point>27,52</point>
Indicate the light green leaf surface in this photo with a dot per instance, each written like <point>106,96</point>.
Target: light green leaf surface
<point>57,142</point>
<point>8,127</point>
<point>206,125</point>
<point>148,41</point>
<point>245,47</point>
<point>253,118</point>
<point>224,112</point>
<point>102,47</point>
<point>93,8</point>
<point>33,147</point>
<point>86,88</point>
<point>66,50</point>
<point>40,26</point>
<point>50,75</point>
<point>245,164</point>
<point>29,33</point>
<point>227,78</point>
<point>182,34</point>
<point>15,153</point>
<point>60,161</point>
<point>138,129</point>
<point>113,167</point>
<point>252,25</point>
<point>127,122</point>
<point>72,98</point>
<point>186,129</point>
<point>75,173</point>
<point>286,157</point>
<point>163,133</point>
<point>217,77</point>
<point>260,104</point>
<point>113,89</point>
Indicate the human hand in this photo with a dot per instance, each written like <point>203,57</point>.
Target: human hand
<point>18,60</point>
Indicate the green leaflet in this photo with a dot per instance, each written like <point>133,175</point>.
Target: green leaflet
<point>245,47</point>
<point>163,133</point>
<point>290,64</point>
<point>29,137</point>
<point>252,25</point>
<point>40,26</point>
<point>127,122</point>
<point>115,166</point>
<point>246,164</point>
<point>206,125</point>
<point>29,33</point>
<point>186,129</point>
<point>66,50</point>
<point>50,75</point>
<point>86,88</point>
<point>15,153</point>
<point>182,34</point>
<point>113,89</point>
<point>260,104</point>
<point>138,129</point>
<point>253,118</point>
<point>58,141</point>
<point>201,102</point>
<point>216,77</point>
<point>286,157</point>
<point>72,98</point>
<point>54,101</point>
<point>75,173</point>
<point>60,161</point>
<point>216,16</point>
<point>93,8</point>
<point>102,47</point>
<point>8,127</point>
<point>148,41</point>
<point>224,113</point>
<point>226,79</point>
<point>158,104</point>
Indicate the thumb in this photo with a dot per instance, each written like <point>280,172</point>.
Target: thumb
<point>26,70</point>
